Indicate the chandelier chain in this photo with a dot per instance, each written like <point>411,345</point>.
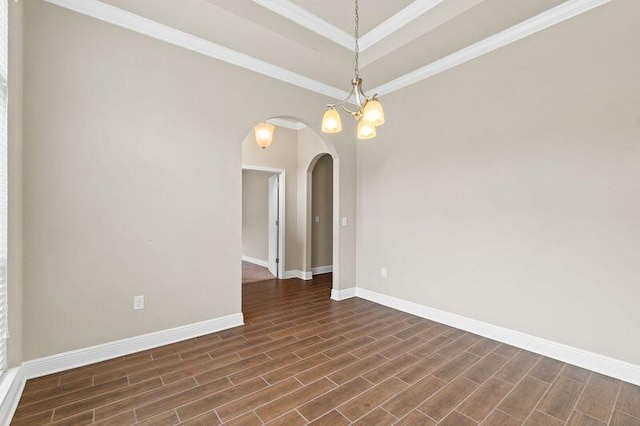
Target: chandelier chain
<point>357,50</point>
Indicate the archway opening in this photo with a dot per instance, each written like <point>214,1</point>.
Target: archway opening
<point>295,152</point>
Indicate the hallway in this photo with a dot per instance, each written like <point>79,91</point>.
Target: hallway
<point>302,358</point>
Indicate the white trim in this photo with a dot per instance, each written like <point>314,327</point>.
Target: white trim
<point>81,357</point>
<point>142,25</point>
<point>294,273</point>
<point>125,19</point>
<point>601,364</point>
<point>322,270</point>
<point>287,124</point>
<point>310,21</point>
<point>283,216</point>
<point>397,21</point>
<point>262,168</point>
<point>255,261</point>
<point>11,386</point>
<point>347,293</point>
<point>519,31</point>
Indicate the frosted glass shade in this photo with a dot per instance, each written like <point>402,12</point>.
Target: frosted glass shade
<point>373,113</point>
<point>366,130</point>
<point>331,122</point>
<point>264,134</point>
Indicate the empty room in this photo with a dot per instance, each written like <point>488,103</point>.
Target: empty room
<point>293,212</point>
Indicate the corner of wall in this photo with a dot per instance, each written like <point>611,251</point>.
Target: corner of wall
<point>15,278</point>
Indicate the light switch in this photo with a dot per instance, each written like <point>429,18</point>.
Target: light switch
<point>344,221</point>
<point>317,219</point>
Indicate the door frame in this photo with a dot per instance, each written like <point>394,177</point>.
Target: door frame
<point>281,211</point>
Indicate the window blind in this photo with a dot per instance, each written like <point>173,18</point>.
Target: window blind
<point>4,65</point>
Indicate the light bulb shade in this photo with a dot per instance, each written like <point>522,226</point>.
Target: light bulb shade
<point>373,113</point>
<point>366,130</point>
<point>331,122</point>
<point>264,134</point>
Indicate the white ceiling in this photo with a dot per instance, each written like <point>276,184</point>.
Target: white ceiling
<point>310,42</point>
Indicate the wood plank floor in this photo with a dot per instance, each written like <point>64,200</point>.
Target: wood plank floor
<point>302,358</point>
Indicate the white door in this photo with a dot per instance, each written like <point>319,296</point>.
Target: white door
<point>274,205</point>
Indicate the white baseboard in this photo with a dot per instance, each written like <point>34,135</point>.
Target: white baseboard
<point>599,363</point>
<point>255,261</point>
<point>347,293</point>
<point>78,358</point>
<point>322,270</point>
<point>303,275</point>
<point>11,386</point>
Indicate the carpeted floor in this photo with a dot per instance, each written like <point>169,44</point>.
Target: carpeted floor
<point>252,273</point>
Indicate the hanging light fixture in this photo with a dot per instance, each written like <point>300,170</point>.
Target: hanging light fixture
<point>264,134</point>
<point>369,113</point>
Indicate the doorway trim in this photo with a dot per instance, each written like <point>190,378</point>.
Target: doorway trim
<point>282,225</point>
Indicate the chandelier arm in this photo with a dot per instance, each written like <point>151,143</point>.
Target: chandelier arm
<point>354,114</point>
<point>358,99</point>
<point>340,103</point>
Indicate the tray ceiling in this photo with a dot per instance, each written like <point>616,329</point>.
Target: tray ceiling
<point>310,42</point>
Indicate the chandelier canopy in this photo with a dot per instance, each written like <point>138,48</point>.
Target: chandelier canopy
<point>369,112</point>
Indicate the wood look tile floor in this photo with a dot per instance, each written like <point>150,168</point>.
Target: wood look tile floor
<point>302,358</point>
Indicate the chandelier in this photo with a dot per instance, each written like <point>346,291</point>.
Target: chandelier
<point>369,113</point>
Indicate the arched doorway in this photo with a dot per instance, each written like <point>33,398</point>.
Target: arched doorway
<point>295,150</point>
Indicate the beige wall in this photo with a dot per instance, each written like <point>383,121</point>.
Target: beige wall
<point>130,145</point>
<point>280,155</point>
<point>15,243</point>
<point>310,149</point>
<point>255,214</point>
<point>506,189</point>
<point>322,208</point>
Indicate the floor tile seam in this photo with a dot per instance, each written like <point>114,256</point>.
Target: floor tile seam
<point>23,404</point>
<point>513,387</point>
<point>459,404</point>
<point>200,399</point>
<point>104,404</point>
<point>182,405</point>
<point>625,413</point>
<point>380,405</point>
<point>306,402</point>
<point>342,403</point>
<point>254,409</point>
<point>590,416</point>
<point>74,401</point>
<point>366,414</point>
<point>455,410</point>
<point>462,373</point>
<point>575,404</point>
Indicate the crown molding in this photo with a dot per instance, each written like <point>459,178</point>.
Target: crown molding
<point>312,22</point>
<point>308,20</point>
<point>287,124</point>
<point>519,31</point>
<point>125,19</point>
<point>122,18</point>
<point>397,21</point>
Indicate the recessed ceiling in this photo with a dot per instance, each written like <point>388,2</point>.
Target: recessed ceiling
<point>310,42</point>
<point>340,12</point>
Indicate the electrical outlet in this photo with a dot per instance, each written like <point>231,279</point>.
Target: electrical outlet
<point>383,272</point>
<point>138,303</point>
<point>344,221</point>
<point>317,220</point>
